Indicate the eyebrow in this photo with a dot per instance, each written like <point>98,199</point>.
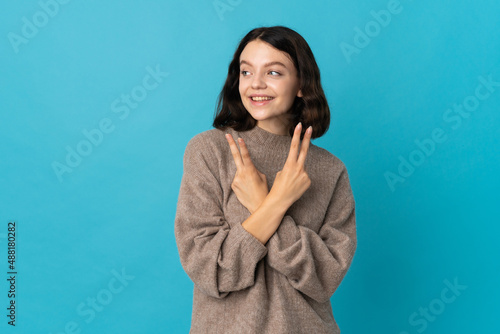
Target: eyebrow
<point>265,65</point>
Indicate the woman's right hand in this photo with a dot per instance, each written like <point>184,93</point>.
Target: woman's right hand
<point>292,181</point>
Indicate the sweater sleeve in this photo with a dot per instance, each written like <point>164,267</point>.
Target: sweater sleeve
<point>315,263</point>
<point>218,259</point>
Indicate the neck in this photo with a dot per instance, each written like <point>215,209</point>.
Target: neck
<point>266,139</point>
<point>279,129</point>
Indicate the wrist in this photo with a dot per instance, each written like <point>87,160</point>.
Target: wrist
<point>275,202</point>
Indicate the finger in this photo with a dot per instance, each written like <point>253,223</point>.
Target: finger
<point>235,152</point>
<point>294,146</point>
<point>304,147</point>
<point>247,161</point>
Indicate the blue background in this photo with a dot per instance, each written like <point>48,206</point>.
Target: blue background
<point>115,210</point>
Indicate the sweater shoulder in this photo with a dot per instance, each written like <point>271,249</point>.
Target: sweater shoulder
<point>206,142</point>
<point>336,172</point>
<point>203,156</point>
<point>323,156</point>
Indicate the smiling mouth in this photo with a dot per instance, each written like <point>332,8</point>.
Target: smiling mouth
<point>261,98</point>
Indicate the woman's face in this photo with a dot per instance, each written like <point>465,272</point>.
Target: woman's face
<point>268,85</point>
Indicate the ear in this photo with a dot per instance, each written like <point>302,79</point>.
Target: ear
<point>299,93</point>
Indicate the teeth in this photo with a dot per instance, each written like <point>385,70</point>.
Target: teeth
<point>261,98</point>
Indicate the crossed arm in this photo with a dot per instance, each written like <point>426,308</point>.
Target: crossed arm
<point>268,208</point>
<point>220,259</point>
<point>314,263</point>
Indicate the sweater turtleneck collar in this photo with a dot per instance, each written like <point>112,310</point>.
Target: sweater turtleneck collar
<point>267,139</point>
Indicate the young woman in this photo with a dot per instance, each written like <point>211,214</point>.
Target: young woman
<point>266,231</point>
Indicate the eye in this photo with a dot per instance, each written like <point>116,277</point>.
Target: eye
<point>274,73</point>
<point>244,73</point>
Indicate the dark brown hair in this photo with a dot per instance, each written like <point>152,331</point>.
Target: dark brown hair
<point>310,109</point>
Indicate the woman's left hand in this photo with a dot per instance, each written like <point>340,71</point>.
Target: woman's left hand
<point>249,185</point>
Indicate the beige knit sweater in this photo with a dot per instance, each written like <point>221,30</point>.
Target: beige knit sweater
<point>241,285</point>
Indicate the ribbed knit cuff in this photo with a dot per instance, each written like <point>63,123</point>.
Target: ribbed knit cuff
<point>251,246</point>
<point>286,234</point>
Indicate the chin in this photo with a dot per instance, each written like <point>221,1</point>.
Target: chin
<point>258,117</point>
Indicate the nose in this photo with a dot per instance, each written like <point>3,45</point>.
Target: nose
<point>258,82</point>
